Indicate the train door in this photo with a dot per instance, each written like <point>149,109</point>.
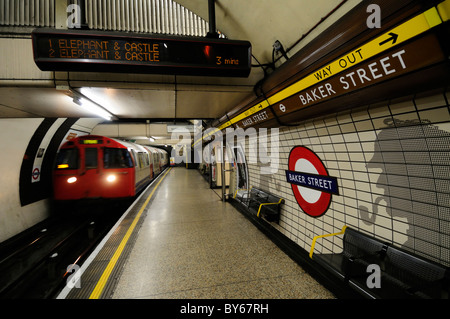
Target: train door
<point>91,171</point>
<point>159,159</point>
<point>239,174</point>
<point>152,163</point>
<point>142,170</point>
<point>213,168</point>
<point>156,162</point>
<point>136,165</point>
<point>219,161</point>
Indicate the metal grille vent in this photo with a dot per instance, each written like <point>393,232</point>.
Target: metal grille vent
<point>149,16</point>
<point>27,13</point>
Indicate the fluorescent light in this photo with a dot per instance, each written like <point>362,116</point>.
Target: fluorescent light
<point>92,107</point>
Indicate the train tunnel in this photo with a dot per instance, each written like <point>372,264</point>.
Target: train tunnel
<point>316,121</point>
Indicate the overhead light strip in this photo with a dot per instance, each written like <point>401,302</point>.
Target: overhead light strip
<point>91,106</point>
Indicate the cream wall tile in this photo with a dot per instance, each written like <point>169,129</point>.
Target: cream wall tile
<point>435,115</point>
<point>430,101</point>
<point>402,107</point>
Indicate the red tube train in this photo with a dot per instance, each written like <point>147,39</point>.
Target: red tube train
<point>92,167</point>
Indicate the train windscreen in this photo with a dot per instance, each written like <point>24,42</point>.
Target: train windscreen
<point>116,158</point>
<point>67,159</point>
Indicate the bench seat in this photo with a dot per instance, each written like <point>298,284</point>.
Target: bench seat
<point>402,274</point>
<point>264,204</point>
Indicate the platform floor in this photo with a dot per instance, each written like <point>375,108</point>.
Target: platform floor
<point>192,245</point>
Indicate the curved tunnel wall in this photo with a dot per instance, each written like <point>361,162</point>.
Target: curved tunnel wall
<point>29,147</point>
<point>38,159</point>
<point>15,135</point>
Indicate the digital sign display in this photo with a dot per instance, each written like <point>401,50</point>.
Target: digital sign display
<point>94,51</point>
<point>91,142</point>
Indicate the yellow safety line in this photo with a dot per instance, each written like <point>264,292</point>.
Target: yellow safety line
<point>406,31</point>
<point>260,206</point>
<point>321,236</point>
<point>109,268</point>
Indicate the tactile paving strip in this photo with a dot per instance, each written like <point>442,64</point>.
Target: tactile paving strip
<point>92,274</point>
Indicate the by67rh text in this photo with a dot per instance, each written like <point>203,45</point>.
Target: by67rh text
<point>239,308</point>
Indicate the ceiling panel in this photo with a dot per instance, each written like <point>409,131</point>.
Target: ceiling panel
<point>206,104</point>
<point>39,102</point>
<point>134,103</point>
<point>262,22</point>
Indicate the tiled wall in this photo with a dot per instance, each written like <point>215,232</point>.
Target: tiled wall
<point>393,168</point>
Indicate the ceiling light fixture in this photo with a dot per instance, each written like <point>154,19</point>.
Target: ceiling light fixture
<point>91,106</point>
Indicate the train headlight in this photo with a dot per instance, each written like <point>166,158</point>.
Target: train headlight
<point>71,180</point>
<point>111,178</point>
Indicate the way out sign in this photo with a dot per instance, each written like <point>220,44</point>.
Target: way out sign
<point>312,186</point>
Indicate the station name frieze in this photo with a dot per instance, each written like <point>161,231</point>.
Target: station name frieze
<point>406,59</point>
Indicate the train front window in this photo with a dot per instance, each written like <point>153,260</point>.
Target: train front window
<point>116,158</point>
<point>67,159</point>
<point>90,160</point>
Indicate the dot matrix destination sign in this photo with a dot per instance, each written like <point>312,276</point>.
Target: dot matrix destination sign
<point>94,51</point>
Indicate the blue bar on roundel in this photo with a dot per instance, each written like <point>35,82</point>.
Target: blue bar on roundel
<point>322,183</point>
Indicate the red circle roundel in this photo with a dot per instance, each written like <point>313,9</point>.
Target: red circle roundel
<point>310,182</point>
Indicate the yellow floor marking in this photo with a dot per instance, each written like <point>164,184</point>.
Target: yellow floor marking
<point>107,272</point>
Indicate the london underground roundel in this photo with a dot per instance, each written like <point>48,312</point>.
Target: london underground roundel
<point>312,186</point>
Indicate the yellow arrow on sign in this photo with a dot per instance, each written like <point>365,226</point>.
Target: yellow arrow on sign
<point>404,32</point>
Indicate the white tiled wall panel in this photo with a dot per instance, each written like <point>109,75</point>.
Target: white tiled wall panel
<point>393,168</point>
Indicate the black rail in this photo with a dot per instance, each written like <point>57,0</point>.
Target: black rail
<point>37,264</point>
